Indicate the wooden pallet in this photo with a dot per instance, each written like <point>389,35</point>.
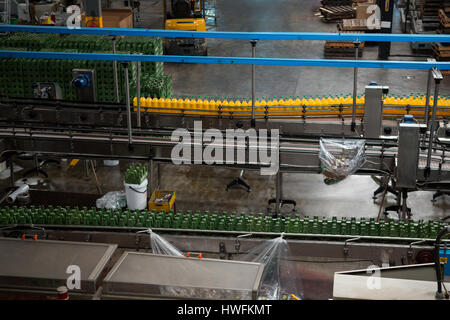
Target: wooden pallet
<point>443,19</point>
<point>336,2</point>
<point>440,51</point>
<point>342,49</point>
<point>343,44</point>
<point>339,54</point>
<point>353,25</point>
<point>337,13</point>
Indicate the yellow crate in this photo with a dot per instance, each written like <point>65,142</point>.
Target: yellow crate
<point>161,206</point>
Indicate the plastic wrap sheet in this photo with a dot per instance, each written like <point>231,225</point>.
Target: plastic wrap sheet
<point>112,200</point>
<point>162,246</point>
<point>340,158</point>
<point>279,280</point>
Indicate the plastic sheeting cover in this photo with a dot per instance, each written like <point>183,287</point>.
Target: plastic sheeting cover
<point>278,281</point>
<point>162,246</point>
<point>340,158</point>
<point>112,200</point>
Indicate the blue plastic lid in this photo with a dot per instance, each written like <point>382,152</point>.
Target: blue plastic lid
<point>408,118</point>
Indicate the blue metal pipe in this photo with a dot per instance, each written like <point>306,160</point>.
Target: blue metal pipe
<point>229,60</point>
<point>385,37</point>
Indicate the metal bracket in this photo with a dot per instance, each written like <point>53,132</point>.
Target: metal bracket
<point>410,250</point>
<point>437,75</point>
<point>222,250</point>
<point>237,244</point>
<point>346,249</point>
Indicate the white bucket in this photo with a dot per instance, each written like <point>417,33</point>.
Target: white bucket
<point>136,195</point>
<point>110,163</point>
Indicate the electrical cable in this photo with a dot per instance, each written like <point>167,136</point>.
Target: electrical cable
<point>442,234</point>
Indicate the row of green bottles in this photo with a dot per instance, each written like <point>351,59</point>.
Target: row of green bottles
<point>218,221</point>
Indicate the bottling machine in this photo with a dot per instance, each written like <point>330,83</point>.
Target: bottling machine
<point>407,145</point>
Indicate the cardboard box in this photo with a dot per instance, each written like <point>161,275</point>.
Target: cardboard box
<point>357,25</point>
<point>117,18</point>
<point>362,11</point>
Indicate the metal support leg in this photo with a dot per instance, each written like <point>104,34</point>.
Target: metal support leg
<point>86,168</point>
<point>116,75</point>
<point>150,180</point>
<point>437,80</point>
<point>11,171</point>
<point>405,212</point>
<point>127,98</point>
<point>355,87</point>
<point>253,121</point>
<point>158,182</point>
<point>138,88</point>
<point>427,101</point>
<point>239,181</point>
<point>279,201</point>
<point>279,191</point>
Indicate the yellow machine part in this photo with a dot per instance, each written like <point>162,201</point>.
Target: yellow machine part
<point>94,22</point>
<point>197,24</point>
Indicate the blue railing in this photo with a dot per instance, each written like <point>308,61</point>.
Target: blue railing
<point>383,37</point>
<point>231,35</point>
<point>229,60</point>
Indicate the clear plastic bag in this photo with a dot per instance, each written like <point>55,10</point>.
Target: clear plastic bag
<point>340,158</point>
<point>279,280</point>
<point>112,200</point>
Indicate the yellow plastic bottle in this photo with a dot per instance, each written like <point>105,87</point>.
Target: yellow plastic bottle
<point>197,105</point>
<point>225,105</point>
<point>297,106</point>
<point>148,104</point>
<point>311,103</point>
<point>208,106</point>
<point>263,105</point>
<point>270,109</point>
<point>142,104</point>
<point>161,105</point>
<point>447,102</point>
<point>231,105</point>
<point>282,104</point>
<point>237,110</point>
<point>247,107</point>
<point>186,105</point>
<point>440,101</point>
<point>415,100</point>
<point>289,105</point>
<point>304,101</point>
<point>155,101</point>
<point>135,103</point>
<point>215,105</point>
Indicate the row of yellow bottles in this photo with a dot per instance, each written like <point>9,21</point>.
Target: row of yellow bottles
<point>281,105</point>
<point>415,100</point>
